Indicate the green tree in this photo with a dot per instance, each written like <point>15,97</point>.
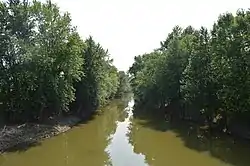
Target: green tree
<point>206,72</point>
<point>124,86</point>
<point>100,81</point>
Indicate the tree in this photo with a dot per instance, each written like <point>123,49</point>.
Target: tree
<point>124,86</point>
<point>206,72</point>
<point>45,66</point>
<point>100,81</point>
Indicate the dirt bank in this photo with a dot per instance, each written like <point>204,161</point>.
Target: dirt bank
<point>25,134</point>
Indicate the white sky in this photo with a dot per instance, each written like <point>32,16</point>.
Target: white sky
<point>132,27</point>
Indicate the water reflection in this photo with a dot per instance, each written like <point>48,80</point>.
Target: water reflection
<point>175,145</point>
<point>117,137</point>
<point>120,150</point>
<point>83,145</point>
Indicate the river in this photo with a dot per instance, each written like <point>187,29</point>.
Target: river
<point>115,137</point>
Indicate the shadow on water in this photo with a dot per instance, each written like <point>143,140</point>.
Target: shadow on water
<point>28,143</point>
<point>83,145</point>
<point>151,120</point>
<point>22,147</point>
<point>223,147</point>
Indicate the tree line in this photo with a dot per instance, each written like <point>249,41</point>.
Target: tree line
<point>47,69</point>
<point>199,72</point>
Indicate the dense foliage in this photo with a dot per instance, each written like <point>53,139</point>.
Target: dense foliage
<point>46,68</point>
<point>124,89</point>
<point>199,73</point>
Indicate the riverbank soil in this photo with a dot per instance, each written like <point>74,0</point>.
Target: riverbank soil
<point>20,137</point>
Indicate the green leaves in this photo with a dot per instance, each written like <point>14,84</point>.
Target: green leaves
<point>207,71</point>
<point>100,80</point>
<point>45,66</point>
<point>124,86</point>
<point>230,60</point>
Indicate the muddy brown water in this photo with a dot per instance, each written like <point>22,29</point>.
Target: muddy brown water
<point>115,137</point>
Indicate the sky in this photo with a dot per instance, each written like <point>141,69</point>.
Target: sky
<point>128,28</point>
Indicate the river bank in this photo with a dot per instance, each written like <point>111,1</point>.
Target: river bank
<point>22,136</point>
<point>117,136</point>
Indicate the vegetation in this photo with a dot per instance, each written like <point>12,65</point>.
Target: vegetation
<point>46,68</point>
<point>124,89</point>
<point>199,74</point>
